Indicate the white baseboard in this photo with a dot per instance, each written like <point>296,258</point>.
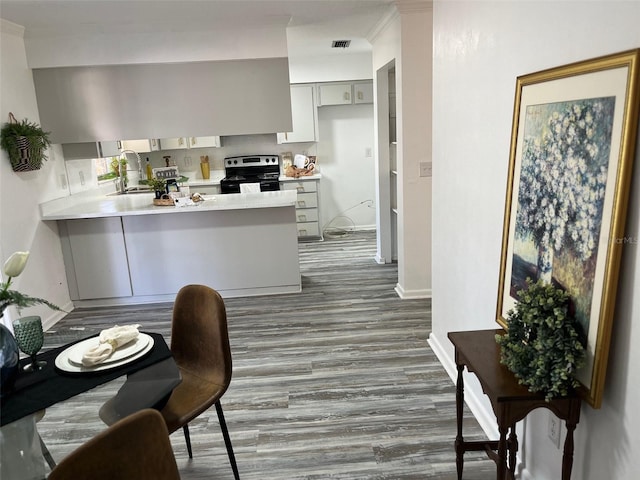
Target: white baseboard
<point>380,260</point>
<point>56,316</point>
<point>526,475</point>
<point>480,409</point>
<point>411,294</point>
<point>479,406</point>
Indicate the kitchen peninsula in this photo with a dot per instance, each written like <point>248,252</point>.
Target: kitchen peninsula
<point>122,249</point>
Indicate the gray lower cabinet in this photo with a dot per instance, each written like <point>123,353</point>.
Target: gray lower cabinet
<point>307,206</point>
<point>149,257</point>
<point>95,258</point>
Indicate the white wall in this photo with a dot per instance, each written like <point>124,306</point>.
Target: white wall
<point>126,45</point>
<point>479,50</point>
<point>348,184</point>
<point>20,193</point>
<point>406,39</point>
<point>414,142</point>
<point>330,68</point>
<point>386,53</point>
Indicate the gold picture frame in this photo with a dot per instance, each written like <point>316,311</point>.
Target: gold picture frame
<point>571,158</point>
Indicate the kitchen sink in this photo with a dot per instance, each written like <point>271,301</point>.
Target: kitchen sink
<point>134,189</point>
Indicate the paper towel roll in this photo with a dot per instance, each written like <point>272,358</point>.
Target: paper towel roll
<point>249,188</point>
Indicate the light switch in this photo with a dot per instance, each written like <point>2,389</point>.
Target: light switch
<point>425,169</point>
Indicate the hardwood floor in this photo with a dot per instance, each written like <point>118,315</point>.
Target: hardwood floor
<point>335,382</point>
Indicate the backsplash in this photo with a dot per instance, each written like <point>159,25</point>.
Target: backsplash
<point>188,160</point>
<point>81,175</point>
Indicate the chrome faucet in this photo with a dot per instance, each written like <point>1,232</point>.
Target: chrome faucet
<point>121,181</point>
<point>138,158</point>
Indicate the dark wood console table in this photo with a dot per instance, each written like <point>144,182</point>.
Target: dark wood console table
<point>511,402</point>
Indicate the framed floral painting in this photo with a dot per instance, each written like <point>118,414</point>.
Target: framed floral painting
<point>571,159</point>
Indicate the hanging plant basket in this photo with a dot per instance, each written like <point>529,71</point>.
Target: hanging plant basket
<point>25,143</point>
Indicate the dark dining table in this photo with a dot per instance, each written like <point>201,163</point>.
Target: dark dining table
<point>150,381</point>
<point>35,391</point>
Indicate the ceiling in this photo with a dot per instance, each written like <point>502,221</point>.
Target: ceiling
<point>312,24</point>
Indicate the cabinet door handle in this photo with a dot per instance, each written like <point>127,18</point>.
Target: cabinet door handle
<point>300,188</point>
<point>302,233</point>
<point>360,95</point>
<point>302,203</point>
<point>193,140</point>
<point>286,136</point>
<point>181,141</point>
<point>346,95</point>
<point>153,142</point>
<point>302,218</point>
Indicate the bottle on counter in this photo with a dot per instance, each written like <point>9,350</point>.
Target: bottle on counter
<point>149,170</point>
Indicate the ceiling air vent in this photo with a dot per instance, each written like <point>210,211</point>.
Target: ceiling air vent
<point>340,43</point>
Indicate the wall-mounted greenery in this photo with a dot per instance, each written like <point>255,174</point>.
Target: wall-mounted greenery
<point>542,345</point>
<point>25,143</point>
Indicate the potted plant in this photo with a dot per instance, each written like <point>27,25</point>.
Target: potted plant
<point>25,143</point>
<point>543,346</point>
<point>9,354</point>
<point>159,185</point>
<point>119,166</point>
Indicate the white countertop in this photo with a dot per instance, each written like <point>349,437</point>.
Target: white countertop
<point>284,178</point>
<point>214,178</point>
<point>96,204</point>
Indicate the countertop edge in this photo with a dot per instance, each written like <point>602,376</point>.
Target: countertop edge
<point>101,206</point>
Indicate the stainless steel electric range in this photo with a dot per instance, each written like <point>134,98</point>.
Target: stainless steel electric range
<point>257,169</point>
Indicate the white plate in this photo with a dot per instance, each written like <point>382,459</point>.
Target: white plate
<point>63,361</point>
<point>76,352</point>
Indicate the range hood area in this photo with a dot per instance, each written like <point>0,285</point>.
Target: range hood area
<point>114,102</point>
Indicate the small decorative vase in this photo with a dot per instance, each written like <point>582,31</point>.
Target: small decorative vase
<point>9,359</point>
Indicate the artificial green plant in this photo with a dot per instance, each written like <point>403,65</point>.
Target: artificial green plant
<point>16,136</point>
<point>542,346</point>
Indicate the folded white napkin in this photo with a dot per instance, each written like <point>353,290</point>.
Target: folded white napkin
<point>110,340</point>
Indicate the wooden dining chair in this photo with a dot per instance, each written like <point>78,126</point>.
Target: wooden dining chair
<point>134,448</point>
<point>200,348</point>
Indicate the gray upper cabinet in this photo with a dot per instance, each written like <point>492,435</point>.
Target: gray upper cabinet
<point>345,93</point>
<point>303,111</point>
<point>334,94</point>
<point>141,146</point>
<point>179,143</point>
<point>78,151</point>
<point>115,102</point>
<point>363,92</point>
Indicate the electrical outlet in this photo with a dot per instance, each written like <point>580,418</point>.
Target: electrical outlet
<point>553,430</point>
<point>368,153</point>
<point>187,161</point>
